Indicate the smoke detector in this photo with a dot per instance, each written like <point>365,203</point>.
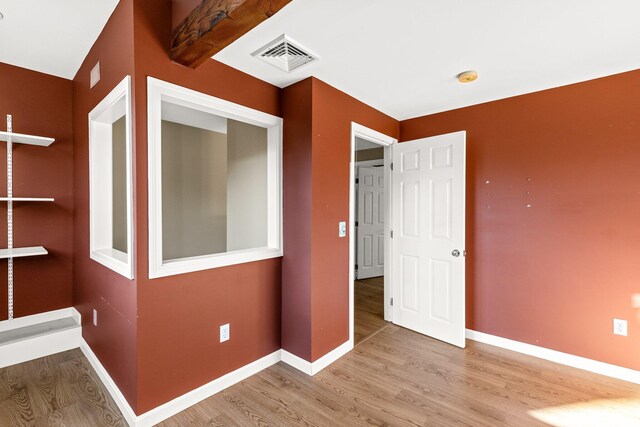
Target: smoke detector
<point>285,54</point>
<point>468,76</point>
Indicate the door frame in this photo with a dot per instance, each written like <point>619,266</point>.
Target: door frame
<point>387,143</point>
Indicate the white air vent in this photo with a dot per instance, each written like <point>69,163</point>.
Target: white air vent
<point>285,54</point>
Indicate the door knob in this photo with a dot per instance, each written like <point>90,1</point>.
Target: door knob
<point>455,253</point>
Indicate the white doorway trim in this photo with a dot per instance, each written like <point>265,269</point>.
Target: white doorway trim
<point>367,163</point>
<point>387,142</point>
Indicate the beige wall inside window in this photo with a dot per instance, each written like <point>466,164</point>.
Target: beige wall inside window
<point>119,183</point>
<point>194,191</point>
<point>247,186</point>
<point>214,189</point>
<point>370,154</point>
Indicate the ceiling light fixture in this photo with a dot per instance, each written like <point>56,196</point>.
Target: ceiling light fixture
<point>468,76</point>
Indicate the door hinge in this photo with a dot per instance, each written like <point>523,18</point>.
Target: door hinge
<point>392,234</point>
<point>356,223</point>
<point>391,165</point>
<point>356,266</point>
<point>392,302</point>
<point>357,180</point>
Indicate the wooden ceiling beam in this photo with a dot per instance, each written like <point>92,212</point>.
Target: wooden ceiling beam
<point>215,24</point>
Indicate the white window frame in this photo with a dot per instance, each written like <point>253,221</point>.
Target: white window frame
<point>159,91</point>
<point>100,184</point>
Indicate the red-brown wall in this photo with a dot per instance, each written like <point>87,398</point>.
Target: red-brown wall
<point>556,273</point>
<point>40,105</point>
<point>180,9</point>
<point>96,286</point>
<point>315,280</point>
<point>179,316</point>
<point>566,260</point>
<point>333,112</point>
<point>296,263</point>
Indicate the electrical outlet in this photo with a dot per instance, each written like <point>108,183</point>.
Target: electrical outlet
<point>95,317</point>
<point>620,327</point>
<point>224,333</point>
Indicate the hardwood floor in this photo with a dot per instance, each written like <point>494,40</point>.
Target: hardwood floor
<point>368,308</point>
<point>58,390</point>
<point>398,377</point>
<point>394,378</point>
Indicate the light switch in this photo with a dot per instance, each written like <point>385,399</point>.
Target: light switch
<point>342,229</point>
<point>95,75</point>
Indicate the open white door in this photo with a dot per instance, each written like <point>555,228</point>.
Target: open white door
<point>370,225</point>
<point>429,236</point>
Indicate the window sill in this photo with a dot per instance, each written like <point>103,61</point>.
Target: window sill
<point>207,262</point>
<point>114,260</point>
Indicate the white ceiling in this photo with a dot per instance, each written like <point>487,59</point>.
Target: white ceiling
<point>402,57</point>
<point>50,36</point>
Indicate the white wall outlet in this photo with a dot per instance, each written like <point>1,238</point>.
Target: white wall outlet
<point>95,317</point>
<point>224,333</point>
<point>620,327</point>
<point>342,229</point>
<point>95,75</point>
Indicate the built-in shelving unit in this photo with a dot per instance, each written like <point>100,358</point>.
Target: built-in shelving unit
<point>22,252</point>
<point>10,252</point>
<point>18,138</point>
<point>26,199</point>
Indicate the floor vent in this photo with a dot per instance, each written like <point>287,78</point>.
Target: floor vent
<point>285,54</point>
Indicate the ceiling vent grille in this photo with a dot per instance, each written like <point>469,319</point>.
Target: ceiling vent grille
<point>285,54</point>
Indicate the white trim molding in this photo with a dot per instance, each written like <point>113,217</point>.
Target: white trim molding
<point>387,142</point>
<point>312,368</point>
<point>180,403</point>
<point>571,360</point>
<point>110,385</point>
<point>114,106</point>
<point>193,397</point>
<point>159,93</point>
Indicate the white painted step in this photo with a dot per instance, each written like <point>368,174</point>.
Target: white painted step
<point>37,330</point>
<point>29,340</point>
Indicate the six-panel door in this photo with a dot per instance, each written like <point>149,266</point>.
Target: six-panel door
<point>428,242</point>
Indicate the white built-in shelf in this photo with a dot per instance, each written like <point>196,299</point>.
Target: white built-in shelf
<point>22,252</point>
<point>26,139</point>
<point>26,199</point>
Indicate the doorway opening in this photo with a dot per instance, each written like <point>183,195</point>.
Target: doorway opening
<point>370,230</point>
<point>419,200</point>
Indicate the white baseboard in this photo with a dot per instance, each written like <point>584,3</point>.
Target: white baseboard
<point>583,363</point>
<point>181,403</point>
<point>312,368</point>
<point>191,398</point>
<point>43,344</point>
<point>110,385</point>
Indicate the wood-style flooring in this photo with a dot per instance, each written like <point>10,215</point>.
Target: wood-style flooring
<point>368,316</point>
<point>400,378</point>
<point>394,378</point>
<point>59,390</point>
